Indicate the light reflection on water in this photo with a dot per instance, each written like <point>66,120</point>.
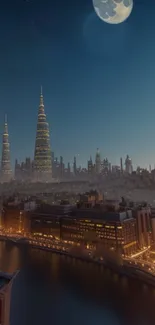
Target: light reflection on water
<point>58,289</point>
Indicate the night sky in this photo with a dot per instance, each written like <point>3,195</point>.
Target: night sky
<point>98,79</point>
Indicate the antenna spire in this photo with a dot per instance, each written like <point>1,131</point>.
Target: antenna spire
<point>5,119</point>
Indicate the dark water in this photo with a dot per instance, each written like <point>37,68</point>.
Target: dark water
<point>53,289</point>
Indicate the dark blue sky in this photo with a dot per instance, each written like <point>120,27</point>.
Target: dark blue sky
<point>98,79</point>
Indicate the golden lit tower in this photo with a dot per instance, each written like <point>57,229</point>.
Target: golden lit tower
<point>42,155</point>
<point>6,172</point>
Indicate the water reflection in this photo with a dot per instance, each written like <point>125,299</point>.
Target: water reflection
<point>56,289</point>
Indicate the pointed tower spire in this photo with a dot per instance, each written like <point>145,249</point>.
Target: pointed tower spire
<point>42,155</point>
<point>6,173</point>
<point>41,99</point>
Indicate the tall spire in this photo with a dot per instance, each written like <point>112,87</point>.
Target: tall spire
<point>42,155</point>
<point>41,99</point>
<point>6,173</point>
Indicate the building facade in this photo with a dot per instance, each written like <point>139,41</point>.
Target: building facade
<point>143,221</point>
<point>112,231</point>
<point>119,236</point>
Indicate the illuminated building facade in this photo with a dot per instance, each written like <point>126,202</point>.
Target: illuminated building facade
<point>14,219</point>
<point>112,231</point>
<point>42,155</point>
<point>6,172</point>
<point>119,236</point>
<point>143,220</point>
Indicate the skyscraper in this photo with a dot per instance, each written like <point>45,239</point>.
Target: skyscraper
<point>98,162</point>
<point>128,165</point>
<point>42,155</point>
<point>6,172</point>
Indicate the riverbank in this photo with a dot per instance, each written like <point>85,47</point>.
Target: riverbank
<point>122,270</point>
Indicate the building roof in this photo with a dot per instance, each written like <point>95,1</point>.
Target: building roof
<point>107,216</point>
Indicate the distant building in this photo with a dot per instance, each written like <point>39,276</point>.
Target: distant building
<point>90,166</point>
<point>62,167</point>
<point>121,165</point>
<point>24,171</point>
<point>6,172</point>
<point>74,166</point>
<point>105,166</point>
<point>98,162</point>
<point>68,170</point>
<point>128,165</point>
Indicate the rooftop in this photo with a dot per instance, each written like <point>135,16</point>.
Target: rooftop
<point>104,215</point>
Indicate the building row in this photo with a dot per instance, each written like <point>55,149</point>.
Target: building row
<point>92,223</point>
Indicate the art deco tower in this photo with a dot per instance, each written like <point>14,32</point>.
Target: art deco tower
<point>42,155</point>
<point>6,172</point>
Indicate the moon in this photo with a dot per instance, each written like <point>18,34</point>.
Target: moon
<point>113,11</point>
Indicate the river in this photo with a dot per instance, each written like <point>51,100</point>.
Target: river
<point>54,289</point>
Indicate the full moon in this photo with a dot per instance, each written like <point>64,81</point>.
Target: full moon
<point>113,11</point>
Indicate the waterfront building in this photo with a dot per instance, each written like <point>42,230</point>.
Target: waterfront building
<point>6,172</point>
<point>42,155</point>
<point>112,231</point>
<point>143,221</point>
<point>14,218</point>
<point>88,227</point>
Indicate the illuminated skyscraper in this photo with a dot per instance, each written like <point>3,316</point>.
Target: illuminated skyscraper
<point>6,172</point>
<point>42,155</point>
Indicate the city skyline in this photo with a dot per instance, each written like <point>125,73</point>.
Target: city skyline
<point>90,100</point>
<point>41,112</point>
